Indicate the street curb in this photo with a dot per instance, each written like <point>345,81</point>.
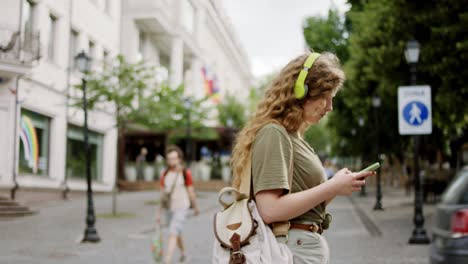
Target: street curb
<point>368,223</point>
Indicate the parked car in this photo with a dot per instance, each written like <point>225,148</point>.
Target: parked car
<point>450,223</point>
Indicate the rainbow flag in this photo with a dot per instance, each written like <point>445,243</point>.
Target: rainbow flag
<point>211,86</point>
<point>28,137</point>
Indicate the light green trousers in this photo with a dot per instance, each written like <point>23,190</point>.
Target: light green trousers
<point>307,247</point>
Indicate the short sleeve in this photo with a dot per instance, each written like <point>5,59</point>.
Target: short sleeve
<point>271,159</point>
<point>188,178</point>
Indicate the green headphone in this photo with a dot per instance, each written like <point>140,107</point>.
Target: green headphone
<point>300,88</point>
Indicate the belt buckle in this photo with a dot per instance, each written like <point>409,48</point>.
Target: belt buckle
<point>314,228</point>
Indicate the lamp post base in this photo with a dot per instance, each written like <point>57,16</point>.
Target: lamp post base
<point>90,236</point>
<point>378,207</point>
<point>419,237</point>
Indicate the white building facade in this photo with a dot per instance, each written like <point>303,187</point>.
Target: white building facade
<point>192,39</point>
<point>42,139</point>
<point>41,136</point>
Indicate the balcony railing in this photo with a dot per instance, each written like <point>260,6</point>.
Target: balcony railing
<point>19,47</point>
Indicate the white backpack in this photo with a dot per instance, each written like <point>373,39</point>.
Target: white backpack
<point>241,235</point>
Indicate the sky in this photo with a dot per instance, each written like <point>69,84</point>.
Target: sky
<point>271,31</point>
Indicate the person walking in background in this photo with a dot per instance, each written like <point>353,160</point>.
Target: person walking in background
<point>141,163</point>
<point>177,182</point>
<point>329,170</point>
<point>300,96</point>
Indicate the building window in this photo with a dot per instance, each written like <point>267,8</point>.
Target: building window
<point>52,37</point>
<point>76,167</point>
<point>187,15</point>
<point>34,143</point>
<point>74,38</point>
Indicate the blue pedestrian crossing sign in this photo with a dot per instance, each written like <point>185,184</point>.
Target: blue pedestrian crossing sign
<point>414,110</point>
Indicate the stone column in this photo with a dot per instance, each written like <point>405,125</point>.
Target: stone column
<point>177,62</point>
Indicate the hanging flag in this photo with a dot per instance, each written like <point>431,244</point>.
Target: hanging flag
<point>215,96</point>
<point>211,85</point>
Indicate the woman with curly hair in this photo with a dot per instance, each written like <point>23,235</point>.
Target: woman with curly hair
<point>300,96</point>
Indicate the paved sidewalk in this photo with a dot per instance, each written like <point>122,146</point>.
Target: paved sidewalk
<point>383,240</point>
<point>52,235</point>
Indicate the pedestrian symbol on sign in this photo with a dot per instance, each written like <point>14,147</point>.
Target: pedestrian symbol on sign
<point>415,113</point>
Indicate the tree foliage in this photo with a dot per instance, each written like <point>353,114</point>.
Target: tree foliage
<point>165,109</point>
<point>136,96</point>
<point>231,108</point>
<point>375,65</point>
<point>326,34</point>
<point>120,84</point>
<point>380,30</point>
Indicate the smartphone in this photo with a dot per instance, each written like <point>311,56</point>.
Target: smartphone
<point>372,167</point>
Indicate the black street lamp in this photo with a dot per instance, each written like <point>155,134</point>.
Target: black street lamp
<point>188,144</point>
<point>361,123</point>
<point>419,233</point>
<point>83,63</point>
<point>376,102</point>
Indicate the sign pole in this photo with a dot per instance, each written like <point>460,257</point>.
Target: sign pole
<point>419,233</point>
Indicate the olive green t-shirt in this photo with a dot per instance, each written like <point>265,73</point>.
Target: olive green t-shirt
<point>271,163</point>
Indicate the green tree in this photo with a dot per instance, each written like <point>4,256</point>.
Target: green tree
<point>165,109</point>
<point>233,109</point>
<point>136,96</point>
<point>327,34</point>
<point>379,33</point>
<point>121,84</point>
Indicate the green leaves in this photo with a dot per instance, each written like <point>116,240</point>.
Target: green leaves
<point>137,96</point>
<point>376,65</point>
<point>326,34</point>
<point>231,109</point>
<point>165,109</point>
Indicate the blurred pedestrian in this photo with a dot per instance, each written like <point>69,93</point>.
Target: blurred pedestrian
<point>299,96</point>
<point>141,163</point>
<point>177,182</point>
<point>329,170</point>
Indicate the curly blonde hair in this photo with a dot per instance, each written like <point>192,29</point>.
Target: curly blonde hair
<point>279,105</point>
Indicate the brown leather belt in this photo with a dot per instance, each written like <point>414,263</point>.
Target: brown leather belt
<point>312,227</point>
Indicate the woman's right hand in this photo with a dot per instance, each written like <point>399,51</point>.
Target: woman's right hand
<point>348,182</point>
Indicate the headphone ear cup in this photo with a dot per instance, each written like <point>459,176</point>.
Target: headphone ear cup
<point>306,90</point>
<point>300,89</point>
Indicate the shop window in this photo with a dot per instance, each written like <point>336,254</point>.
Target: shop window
<point>34,143</point>
<point>76,166</point>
